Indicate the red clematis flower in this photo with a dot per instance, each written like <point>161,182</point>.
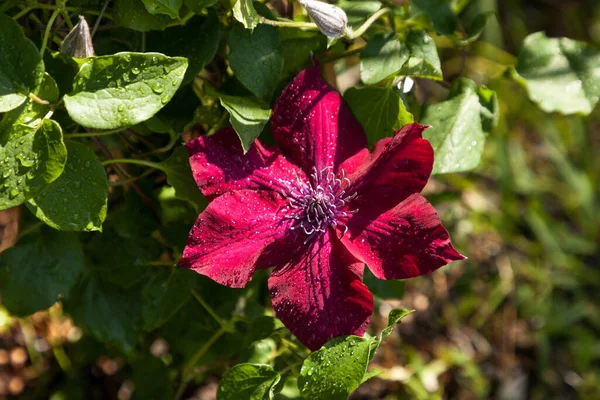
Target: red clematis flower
<point>317,209</point>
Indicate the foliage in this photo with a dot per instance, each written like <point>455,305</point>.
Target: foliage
<point>91,152</point>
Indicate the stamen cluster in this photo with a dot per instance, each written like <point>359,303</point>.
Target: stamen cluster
<point>320,203</point>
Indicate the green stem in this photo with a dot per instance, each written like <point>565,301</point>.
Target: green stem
<point>344,54</point>
<point>91,134</point>
<point>288,24</point>
<point>208,308</point>
<point>188,371</point>
<point>132,161</point>
<point>22,12</point>
<point>130,180</point>
<point>291,366</point>
<point>47,31</point>
<point>360,31</point>
<point>30,229</point>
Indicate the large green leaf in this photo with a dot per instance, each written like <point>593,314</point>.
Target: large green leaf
<point>164,295</point>
<point>336,369</point>
<point>439,12</point>
<point>379,110</point>
<point>248,382</point>
<point>413,54</point>
<point>456,132</point>
<point>123,89</point>
<point>247,115</point>
<point>175,41</point>
<point>109,312</point>
<point>30,159</point>
<point>358,11</point>
<point>560,74</point>
<point>423,61</point>
<point>38,270</point>
<point>21,66</point>
<point>244,12</point>
<point>167,7</point>
<point>133,14</point>
<point>76,201</point>
<point>179,176</point>
<point>255,59</point>
<point>383,56</point>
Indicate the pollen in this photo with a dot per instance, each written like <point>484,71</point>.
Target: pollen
<point>320,203</point>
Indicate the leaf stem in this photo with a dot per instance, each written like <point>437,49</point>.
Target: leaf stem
<point>208,308</point>
<point>38,100</point>
<point>291,366</point>
<point>344,54</point>
<point>22,13</point>
<point>288,24</point>
<point>132,161</point>
<point>188,370</point>
<point>360,31</point>
<point>91,134</point>
<point>47,31</point>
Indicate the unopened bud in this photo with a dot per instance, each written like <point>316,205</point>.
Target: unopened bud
<point>331,20</point>
<point>78,43</point>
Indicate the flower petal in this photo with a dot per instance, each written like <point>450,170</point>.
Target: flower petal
<point>237,233</point>
<point>398,167</point>
<point>406,241</point>
<point>320,295</point>
<point>219,165</point>
<point>312,124</point>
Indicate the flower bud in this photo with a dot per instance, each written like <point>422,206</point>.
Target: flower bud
<point>78,42</point>
<point>331,20</point>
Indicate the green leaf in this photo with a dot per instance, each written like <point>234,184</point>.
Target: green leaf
<point>336,369</point>
<point>21,66</point>
<point>38,270</point>
<point>198,6</point>
<point>30,159</point>
<point>123,89</point>
<point>383,56</point>
<point>439,12</point>
<point>490,109</point>
<point>358,11</point>
<point>151,378</point>
<point>371,374</point>
<point>121,254</point>
<point>164,295</point>
<point>108,312</point>
<point>255,59</point>
<point>379,110</point>
<point>175,41</point>
<point>424,61</point>
<point>167,7</point>
<point>394,318</point>
<point>247,115</point>
<point>248,382</point>
<point>244,12</point>
<point>179,176</point>
<point>76,201</point>
<point>560,74</point>
<point>456,132</point>
<point>133,14</point>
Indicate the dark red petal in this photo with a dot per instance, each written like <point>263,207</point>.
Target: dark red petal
<point>398,167</point>
<point>312,124</point>
<point>406,241</point>
<point>219,164</point>
<point>320,295</point>
<point>237,233</point>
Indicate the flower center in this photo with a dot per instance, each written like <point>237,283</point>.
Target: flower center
<point>320,203</point>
